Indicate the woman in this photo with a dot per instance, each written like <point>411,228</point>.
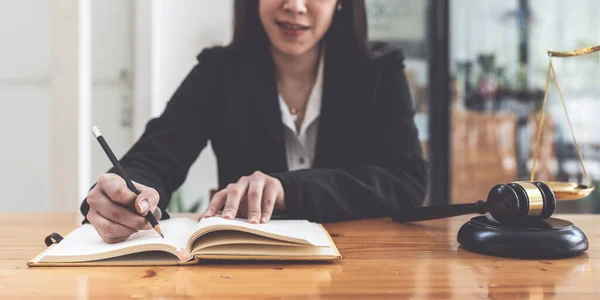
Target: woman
<point>304,119</point>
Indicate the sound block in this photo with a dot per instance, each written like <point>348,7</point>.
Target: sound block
<point>547,239</point>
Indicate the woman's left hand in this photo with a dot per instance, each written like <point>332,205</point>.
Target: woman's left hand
<point>254,196</point>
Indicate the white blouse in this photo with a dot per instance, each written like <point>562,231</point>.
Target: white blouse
<point>300,146</point>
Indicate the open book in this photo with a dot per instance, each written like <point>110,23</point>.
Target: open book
<point>187,241</point>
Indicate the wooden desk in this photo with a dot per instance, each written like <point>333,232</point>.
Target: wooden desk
<point>381,259</point>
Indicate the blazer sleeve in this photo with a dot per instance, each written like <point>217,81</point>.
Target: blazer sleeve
<point>394,180</point>
<point>162,156</point>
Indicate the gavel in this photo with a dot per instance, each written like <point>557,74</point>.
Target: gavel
<point>508,204</point>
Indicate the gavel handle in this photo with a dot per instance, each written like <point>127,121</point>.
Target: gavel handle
<point>440,211</point>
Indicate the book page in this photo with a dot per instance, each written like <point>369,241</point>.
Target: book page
<point>257,251</point>
<point>300,230</point>
<point>85,243</point>
<point>235,238</point>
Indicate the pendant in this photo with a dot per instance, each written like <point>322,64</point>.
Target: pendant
<point>294,114</point>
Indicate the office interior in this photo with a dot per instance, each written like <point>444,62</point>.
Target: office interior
<point>117,65</point>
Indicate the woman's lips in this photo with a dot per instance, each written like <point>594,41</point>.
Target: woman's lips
<point>292,29</point>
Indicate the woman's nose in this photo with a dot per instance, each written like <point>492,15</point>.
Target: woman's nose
<point>296,6</point>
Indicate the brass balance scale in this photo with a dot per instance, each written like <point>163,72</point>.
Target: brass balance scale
<point>564,190</point>
<point>518,221</point>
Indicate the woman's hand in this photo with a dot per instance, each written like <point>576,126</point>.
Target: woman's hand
<point>115,211</point>
<point>254,196</point>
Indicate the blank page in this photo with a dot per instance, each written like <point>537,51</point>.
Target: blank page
<point>310,232</point>
<point>85,240</point>
<point>230,237</point>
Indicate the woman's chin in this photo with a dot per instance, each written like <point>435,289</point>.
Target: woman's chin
<point>292,50</point>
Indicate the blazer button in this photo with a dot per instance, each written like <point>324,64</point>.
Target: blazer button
<point>301,160</point>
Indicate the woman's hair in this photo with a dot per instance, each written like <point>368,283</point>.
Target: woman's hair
<point>347,34</point>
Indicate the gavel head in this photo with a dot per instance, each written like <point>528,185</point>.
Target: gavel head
<point>521,201</point>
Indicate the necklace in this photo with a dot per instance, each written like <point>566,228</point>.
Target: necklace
<point>294,112</point>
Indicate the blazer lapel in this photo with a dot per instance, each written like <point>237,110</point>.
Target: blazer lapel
<point>335,87</point>
<point>263,94</point>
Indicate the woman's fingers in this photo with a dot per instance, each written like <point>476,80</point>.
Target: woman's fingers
<point>269,197</point>
<point>116,189</point>
<point>216,203</point>
<point>255,198</point>
<point>110,232</point>
<point>235,193</point>
<point>117,213</point>
<point>147,200</point>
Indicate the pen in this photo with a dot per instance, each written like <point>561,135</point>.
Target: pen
<point>149,216</point>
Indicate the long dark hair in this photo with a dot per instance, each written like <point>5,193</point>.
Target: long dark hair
<point>347,34</point>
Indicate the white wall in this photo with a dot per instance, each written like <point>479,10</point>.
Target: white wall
<point>112,62</point>
<point>24,105</point>
<point>185,27</point>
<point>32,58</point>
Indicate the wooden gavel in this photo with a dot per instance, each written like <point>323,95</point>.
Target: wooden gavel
<point>507,203</point>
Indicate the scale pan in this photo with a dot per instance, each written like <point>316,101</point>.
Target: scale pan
<point>569,190</point>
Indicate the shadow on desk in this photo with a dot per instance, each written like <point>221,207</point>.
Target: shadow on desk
<point>439,226</point>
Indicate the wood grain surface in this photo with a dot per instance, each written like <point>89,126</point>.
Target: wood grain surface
<point>381,259</point>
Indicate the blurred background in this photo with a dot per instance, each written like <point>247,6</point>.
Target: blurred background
<point>67,64</point>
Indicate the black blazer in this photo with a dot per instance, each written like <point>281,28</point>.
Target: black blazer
<point>368,160</point>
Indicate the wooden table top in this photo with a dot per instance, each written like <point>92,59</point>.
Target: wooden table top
<point>381,259</point>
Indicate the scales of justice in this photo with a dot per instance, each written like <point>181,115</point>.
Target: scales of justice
<point>518,220</point>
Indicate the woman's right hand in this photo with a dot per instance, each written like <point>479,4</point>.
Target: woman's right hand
<point>116,212</point>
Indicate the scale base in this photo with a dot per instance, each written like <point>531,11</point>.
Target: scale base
<point>548,239</point>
